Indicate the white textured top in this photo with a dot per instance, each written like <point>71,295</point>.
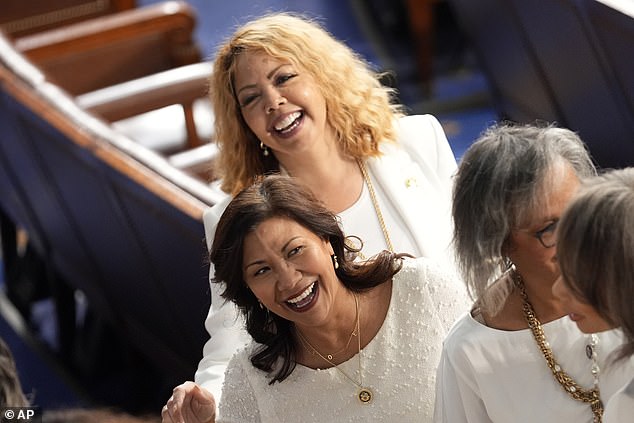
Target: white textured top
<point>490,375</point>
<point>620,408</point>
<point>399,364</point>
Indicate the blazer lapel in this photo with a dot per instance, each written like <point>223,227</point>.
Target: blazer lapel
<point>417,201</point>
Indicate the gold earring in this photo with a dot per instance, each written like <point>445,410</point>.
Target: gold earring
<point>264,148</point>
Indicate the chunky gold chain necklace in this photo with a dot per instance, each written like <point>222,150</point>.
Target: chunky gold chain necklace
<point>364,394</point>
<point>375,203</point>
<point>591,396</point>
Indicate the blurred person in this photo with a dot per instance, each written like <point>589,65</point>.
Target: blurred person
<point>595,250</point>
<point>12,394</point>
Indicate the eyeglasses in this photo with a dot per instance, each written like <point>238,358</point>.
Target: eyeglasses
<point>548,235</point>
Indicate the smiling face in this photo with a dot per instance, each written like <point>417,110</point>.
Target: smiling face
<point>281,104</point>
<point>586,317</point>
<point>290,270</point>
<point>531,258</point>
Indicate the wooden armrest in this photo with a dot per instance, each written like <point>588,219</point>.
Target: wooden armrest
<point>104,51</point>
<point>182,86</point>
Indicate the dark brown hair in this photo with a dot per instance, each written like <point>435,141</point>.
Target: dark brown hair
<point>282,196</point>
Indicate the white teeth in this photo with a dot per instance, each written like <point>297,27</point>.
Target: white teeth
<point>303,295</point>
<point>287,121</point>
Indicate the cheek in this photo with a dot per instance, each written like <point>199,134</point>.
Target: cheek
<point>254,123</point>
<point>265,292</point>
<point>314,97</point>
<point>540,254</point>
<point>550,255</point>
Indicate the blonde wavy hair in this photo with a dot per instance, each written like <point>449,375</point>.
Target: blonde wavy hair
<point>359,108</point>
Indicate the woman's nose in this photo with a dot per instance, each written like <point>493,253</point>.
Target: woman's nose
<point>288,275</point>
<point>274,101</point>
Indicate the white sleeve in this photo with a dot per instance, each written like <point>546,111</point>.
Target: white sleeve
<point>457,398</point>
<point>224,324</point>
<point>240,404</point>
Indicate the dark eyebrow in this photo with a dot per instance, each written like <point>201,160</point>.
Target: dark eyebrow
<point>253,264</point>
<point>268,76</point>
<point>289,241</point>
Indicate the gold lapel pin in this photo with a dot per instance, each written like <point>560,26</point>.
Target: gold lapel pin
<point>411,182</point>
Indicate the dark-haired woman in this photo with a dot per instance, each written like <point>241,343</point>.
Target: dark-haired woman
<point>333,339</point>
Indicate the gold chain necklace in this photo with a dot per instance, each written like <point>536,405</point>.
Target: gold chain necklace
<point>364,394</point>
<point>591,396</point>
<point>375,203</point>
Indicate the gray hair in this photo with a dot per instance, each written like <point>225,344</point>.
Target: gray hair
<point>595,249</point>
<point>500,183</point>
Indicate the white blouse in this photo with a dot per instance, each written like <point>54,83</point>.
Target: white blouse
<point>620,407</point>
<point>398,365</point>
<point>490,375</point>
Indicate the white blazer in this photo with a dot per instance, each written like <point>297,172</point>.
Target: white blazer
<point>416,175</point>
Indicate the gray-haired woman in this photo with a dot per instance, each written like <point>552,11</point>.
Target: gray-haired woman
<point>515,357</point>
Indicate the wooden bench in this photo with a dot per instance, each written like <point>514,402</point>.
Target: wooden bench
<point>19,17</point>
<point>115,48</point>
<point>130,48</point>
<point>111,219</point>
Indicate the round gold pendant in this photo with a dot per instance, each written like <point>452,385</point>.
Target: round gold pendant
<point>365,396</point>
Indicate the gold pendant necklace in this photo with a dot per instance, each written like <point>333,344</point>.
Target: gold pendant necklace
<point>375,203</point>
<point>572,388</point>
<point>364,394</point>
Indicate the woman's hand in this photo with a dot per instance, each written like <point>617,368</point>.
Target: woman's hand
<point>189,403</point>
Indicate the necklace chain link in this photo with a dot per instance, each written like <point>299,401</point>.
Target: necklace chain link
<point>574,390</point>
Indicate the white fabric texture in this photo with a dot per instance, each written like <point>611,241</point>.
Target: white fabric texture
<point>413,176</point>
<point>620,408</point>
<point>399,364</point>
<point>490,375</point>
